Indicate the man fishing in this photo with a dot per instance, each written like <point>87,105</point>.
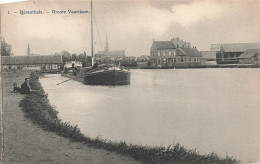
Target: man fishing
<point>25,89</point>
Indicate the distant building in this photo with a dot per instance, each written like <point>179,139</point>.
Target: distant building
<point>208,58</point>
<point>143,61</point>
<point>107,46</point>
<point>34,54</point>
<point>229,53</point>
<point>28,50</point>
<point>130,59</point>
<point>109,55</point>
<point>70,63</point>
<point>174,53</point>
<point>43,63</point>
<point>250,56</point>
<point>160,50</point>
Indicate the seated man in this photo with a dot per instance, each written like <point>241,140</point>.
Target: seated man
<point>16,88</point>
<point>25,89</point>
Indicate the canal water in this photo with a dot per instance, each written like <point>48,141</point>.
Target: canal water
<point>210,110</point>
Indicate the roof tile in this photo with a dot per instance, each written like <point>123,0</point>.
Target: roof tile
<point>160,45</point>
<point>249,53</point>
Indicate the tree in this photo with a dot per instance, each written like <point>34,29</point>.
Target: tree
<point>56,54</point>
<point>88,61</point>
<point>66,56</point>
<point>74,57</point>
<point>82,59</point>
<point>6,49</point>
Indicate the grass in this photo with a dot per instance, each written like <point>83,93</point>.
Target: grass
<point>38,108</point>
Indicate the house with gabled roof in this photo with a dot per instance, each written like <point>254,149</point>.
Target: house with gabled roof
<point>250,56</point>
<point>41,62</point>
<point>161,50</point>
<point>171,54</point>
<point>229,53</point>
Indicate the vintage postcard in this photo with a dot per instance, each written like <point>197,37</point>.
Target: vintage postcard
<point>135,81</point>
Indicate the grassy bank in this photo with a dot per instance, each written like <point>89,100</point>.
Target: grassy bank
<point>37,107</point>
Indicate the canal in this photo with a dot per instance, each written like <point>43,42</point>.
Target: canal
<point>210,110</point>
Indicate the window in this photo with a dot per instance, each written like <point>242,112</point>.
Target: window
<point>54,66</point>
<point>170,53</point>
<point>164,60</point>
<point>163,53</point>
<point>158,53</point>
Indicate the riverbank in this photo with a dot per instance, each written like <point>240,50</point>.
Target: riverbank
<point>26,142</point>
<point>45,116</point>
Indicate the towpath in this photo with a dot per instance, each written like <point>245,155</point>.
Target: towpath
<point>25,142</point>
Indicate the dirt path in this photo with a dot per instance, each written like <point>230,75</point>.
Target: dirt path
<point>24,142</point>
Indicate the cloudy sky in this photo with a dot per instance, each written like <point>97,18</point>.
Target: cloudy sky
<point>130,25</point>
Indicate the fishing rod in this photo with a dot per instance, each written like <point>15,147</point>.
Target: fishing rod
<point>64,81</point>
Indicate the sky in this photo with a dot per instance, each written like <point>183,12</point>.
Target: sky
<point>130,25</point>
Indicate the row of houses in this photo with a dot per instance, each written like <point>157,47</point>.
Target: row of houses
<point>173,53</point>
<point>177,53</point>
<point>46,63</point>
<point>50,63</point>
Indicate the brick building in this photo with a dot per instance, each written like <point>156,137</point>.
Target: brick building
<point>174,53</point>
